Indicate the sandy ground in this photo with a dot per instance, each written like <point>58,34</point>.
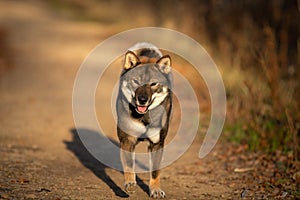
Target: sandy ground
<point>42,156</point>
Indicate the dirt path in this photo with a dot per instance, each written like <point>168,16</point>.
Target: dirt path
<point>41,154</point>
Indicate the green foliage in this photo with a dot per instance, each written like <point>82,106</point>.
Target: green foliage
<point>271,136</point>
<point>244,136</point>
<point>297,192</point>
<point>253,140</point>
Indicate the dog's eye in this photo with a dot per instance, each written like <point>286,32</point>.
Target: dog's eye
<point>135,81</point>
<point>153,84</point>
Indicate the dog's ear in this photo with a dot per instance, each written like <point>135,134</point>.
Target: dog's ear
<point>131,60</point>
<point>164,64</point>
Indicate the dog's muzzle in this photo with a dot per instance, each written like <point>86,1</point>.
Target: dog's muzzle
<point>143,99</point>
<point>142,104</point>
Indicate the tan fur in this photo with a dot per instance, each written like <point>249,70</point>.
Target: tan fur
<point>144,60</point>
<point>155,182</point>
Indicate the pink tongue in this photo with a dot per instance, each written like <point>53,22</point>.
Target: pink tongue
<point>142,108</point>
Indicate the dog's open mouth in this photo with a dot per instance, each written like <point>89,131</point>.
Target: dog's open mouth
<point>142,109</point>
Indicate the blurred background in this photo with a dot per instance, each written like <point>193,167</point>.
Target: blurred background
<point>255,44</point>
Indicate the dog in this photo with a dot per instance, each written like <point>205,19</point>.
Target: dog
<point>144,106</point>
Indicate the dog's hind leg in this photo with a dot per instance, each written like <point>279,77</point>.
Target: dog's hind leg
<point>128,161</point>
<point>155,159</point>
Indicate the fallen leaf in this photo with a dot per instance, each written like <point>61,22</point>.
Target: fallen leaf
<point>296,177</point>
<point>22,180</point>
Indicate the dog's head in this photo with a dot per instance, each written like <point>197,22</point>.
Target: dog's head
<point>145,82</point>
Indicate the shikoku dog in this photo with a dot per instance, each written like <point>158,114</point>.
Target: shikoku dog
<point>144,107</point>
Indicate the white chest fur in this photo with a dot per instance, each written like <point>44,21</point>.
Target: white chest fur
<point>153,134</point>
<point>139,130</point>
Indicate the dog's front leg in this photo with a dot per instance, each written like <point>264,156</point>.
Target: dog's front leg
<point>156,151</point>
<point>128,144</point>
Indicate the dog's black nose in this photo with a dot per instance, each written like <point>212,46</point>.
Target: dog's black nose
<point>142,99</point>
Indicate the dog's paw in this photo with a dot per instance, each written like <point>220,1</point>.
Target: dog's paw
<point>130,187</point>
<point>157,193</point>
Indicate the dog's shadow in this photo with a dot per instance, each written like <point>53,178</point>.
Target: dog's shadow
<point>77,147</point>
